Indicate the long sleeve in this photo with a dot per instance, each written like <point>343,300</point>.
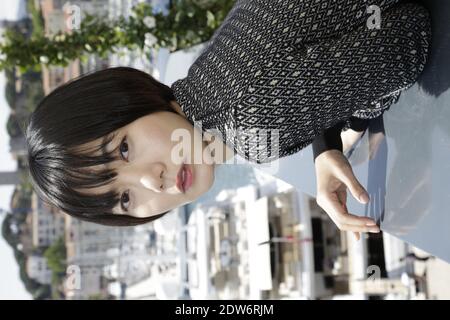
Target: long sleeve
<point>351,14</point>
<point>328,139</point>
<point>256,84</point>
<point>331,137</point>
<point>332,79</point>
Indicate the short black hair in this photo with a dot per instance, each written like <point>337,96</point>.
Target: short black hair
<point>84,109</point>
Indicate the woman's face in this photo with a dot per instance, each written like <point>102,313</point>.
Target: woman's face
<point>147,175</point>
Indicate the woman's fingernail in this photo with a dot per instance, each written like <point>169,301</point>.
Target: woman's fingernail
<point>369,224</point>
<point>364,197</point>
<point>373,230</point>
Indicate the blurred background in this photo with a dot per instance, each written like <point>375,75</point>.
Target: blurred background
<point>251,236</point>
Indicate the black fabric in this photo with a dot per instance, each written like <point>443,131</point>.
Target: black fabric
<point>360,125</point>
<point>331,137</point>
<point>297,68</point>
<point>327,140</point>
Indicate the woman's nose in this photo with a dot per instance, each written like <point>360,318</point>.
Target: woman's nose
<point>149,176</point>
<point>152,183</point>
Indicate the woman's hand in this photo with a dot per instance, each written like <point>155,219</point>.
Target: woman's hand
<point>334,175</point>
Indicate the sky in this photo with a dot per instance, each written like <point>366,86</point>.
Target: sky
<point>11,286</point>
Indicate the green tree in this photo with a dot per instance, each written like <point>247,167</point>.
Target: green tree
<point>56,257</point>
<point>7,234</point>
<point>12,126</point>
<point>36,18</point>
<point>37,290</point>
<point>10,88</point>
<point>32,92</point>
<point>56,260</point>
<point>188,22</point>
<point>42,292</point>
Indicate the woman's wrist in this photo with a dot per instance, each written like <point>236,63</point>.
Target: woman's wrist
<point>327,154</point>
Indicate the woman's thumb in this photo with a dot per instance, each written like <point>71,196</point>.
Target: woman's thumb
<point>364,197</point>
<point>356,189</point>
<point>359,192</point>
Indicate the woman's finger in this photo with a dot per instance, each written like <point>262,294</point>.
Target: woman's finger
<point>351,219</point>
<point>331,204</point>
<point>351,227</point>
<point>347,176</point>
<point>356,234</point>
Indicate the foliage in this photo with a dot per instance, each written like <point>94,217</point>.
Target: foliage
<point>37,290</point>
<point>6,231</point>
<point>10,88</point>
<point>12,126</point>
<point>56,257</point>
<point>188,22</point>
<point>36,18</point>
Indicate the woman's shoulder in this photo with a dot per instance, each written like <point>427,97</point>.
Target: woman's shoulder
<point>243,49</point>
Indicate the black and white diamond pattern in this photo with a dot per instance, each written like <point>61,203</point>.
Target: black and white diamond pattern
<point>300,67</point>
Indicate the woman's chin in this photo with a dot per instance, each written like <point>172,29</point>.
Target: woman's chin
<point>203,179</point>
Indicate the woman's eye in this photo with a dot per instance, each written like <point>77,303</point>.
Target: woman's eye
<point>124,148</point>
<point>125,201</point>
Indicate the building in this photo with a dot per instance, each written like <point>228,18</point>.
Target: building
<point>26,235</point>
<point>104,254</point>
<point>37,269</point>
<point>87,246</point>
<point>58,16</point>
<point>54,17</point>
<point>18,146</point>
<point>9,178</point>
<point>240,246</point>
<point>47,223</point>
<point>270,241</point>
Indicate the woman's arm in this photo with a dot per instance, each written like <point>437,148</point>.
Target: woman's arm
<point>331,137</point>
<point>328,139</point>
<point>318,20</point>
<point>334,175</point>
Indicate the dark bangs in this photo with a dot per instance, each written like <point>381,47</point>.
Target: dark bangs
<point>84,109</point>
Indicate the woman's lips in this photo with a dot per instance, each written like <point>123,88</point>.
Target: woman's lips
<point>179,182</point>
<point>187,177</point>
<point>184,178</point>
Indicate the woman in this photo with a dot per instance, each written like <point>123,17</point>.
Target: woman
<point>104,147</point>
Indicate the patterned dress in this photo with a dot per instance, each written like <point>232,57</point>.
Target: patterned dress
<point>301,67</point>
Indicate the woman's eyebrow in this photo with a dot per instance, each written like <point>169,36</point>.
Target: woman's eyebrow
<point>105,142</point>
